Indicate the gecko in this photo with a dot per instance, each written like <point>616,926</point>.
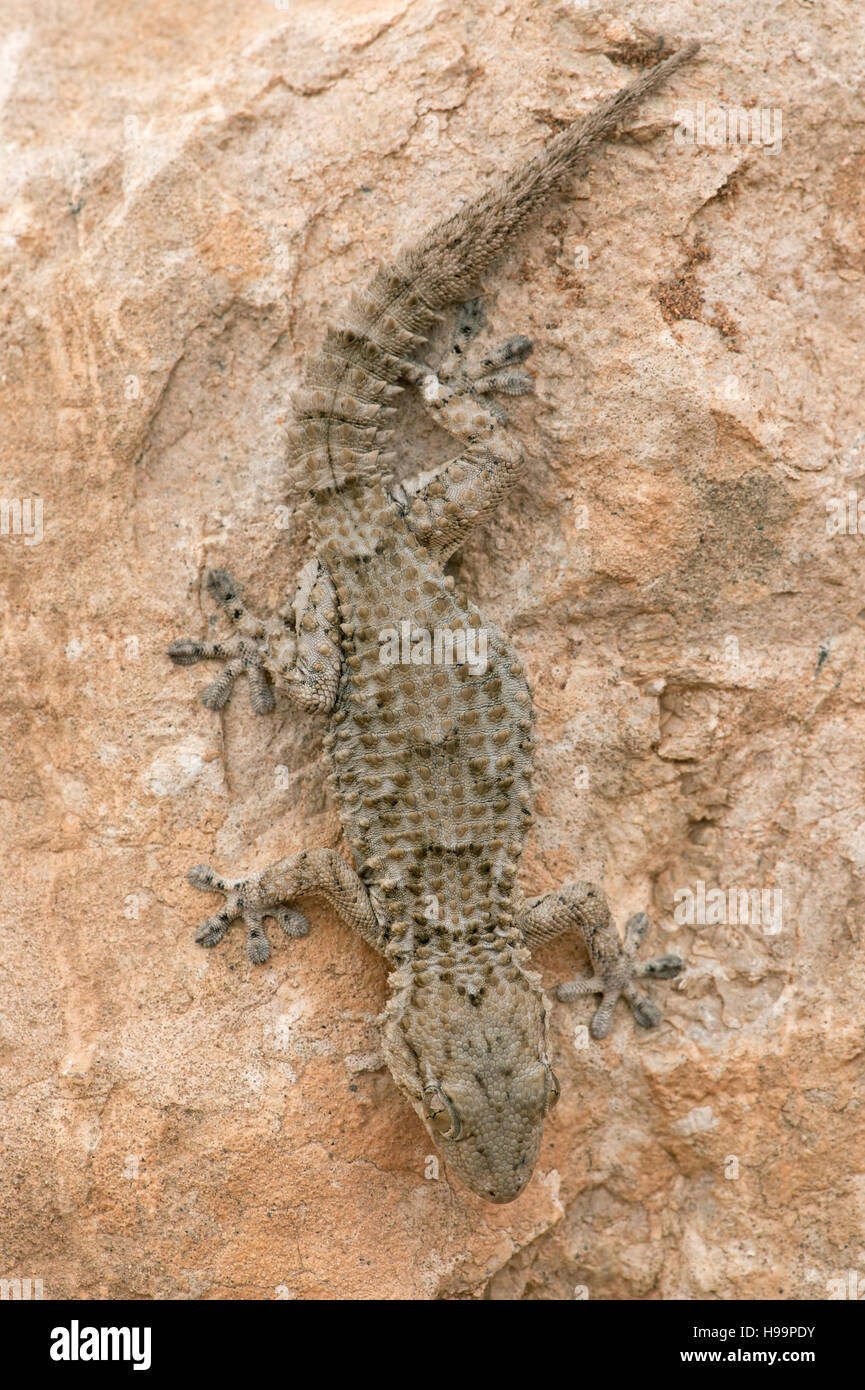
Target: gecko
<point>430,713</point>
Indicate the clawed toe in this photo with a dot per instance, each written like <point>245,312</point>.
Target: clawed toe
<point>570,990</point>
<point>490,377</point>
<point>211,932</point>
<point>470,320</point>
<point>217,694</point>
<point>662,967</point>
<point>223,588</point>
<point>635,929</point>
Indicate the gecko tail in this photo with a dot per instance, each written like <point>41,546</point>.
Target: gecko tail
<point>445,265</point>
<point>342,435</point>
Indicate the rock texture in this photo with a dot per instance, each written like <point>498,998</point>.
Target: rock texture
<point>187,195</point>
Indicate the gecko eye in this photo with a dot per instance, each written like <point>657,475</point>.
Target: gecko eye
<point>441,1114</point>
<point>552,1089</point>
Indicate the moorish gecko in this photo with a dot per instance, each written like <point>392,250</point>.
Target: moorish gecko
<point>430,737</point>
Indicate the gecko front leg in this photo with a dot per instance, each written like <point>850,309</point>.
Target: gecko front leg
<point>582,906</point>
<point>297,650</point>
<point>271,892</point>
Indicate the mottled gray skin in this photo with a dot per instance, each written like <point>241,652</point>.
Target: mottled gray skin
<point>433,777</point>
<point>432,759</point>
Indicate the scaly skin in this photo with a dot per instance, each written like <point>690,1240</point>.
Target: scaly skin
<point>432,759</point>
<point>433,769</point>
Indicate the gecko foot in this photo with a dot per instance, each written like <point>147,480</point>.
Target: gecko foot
<point>243,898</point>
<point>492,373</point>
<point>614,979</point>
<point>242,654</point>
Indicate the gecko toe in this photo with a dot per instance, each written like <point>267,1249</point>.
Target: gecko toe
<point>646,1014</point>
<point>661,968</point>
<point>292,923</point>
<point>211,932</point>
<point>505,383</point>
<point>257,944</point>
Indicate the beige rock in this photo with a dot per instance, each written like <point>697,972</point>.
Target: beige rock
<point>186,195</point>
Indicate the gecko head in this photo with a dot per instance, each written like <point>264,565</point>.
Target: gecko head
<point>485,1086</point>
<point>489,1125</point>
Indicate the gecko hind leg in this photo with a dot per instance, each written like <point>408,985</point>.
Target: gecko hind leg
<point>614,967</point>
<point>494,372</point>
<point>617,981</point>
<point>443,505</point>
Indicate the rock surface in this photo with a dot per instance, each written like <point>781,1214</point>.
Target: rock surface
<point>187,194</point>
